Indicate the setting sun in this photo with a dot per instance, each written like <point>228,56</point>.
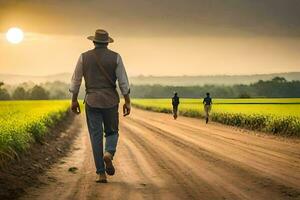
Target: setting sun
<point>14,35</point>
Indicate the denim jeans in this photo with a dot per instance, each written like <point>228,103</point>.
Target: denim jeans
<point>96,119</point>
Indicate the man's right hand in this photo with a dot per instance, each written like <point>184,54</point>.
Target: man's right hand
<point>75,107</point>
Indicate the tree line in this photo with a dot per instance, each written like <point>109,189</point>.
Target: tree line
<point>35,93</point>
<point>277,87</point>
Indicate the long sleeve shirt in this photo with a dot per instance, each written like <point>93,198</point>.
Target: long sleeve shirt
<point>121,75</point>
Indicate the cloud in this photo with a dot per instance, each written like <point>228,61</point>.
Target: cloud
<point>155,17</point>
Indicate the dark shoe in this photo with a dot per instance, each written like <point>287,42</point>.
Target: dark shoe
<point>109,167</point>
<point>101,178</point>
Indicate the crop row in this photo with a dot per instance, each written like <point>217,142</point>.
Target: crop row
<point>24,122</point>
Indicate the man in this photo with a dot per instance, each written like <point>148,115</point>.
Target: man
<point>207,101</point>
<point>101,68</point>
<point>175,103</point>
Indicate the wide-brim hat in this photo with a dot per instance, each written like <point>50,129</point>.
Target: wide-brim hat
<point>101,36</point>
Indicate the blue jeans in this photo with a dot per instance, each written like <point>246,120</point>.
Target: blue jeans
<point>96,118</point>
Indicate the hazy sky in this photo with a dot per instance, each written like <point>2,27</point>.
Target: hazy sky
<point>158,37</point>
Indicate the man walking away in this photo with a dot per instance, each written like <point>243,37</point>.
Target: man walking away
<point>101,68</point>
<point>175,103</point>
<point>207,102</point>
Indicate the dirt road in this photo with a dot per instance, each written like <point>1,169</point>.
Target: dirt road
<point>160,158</point>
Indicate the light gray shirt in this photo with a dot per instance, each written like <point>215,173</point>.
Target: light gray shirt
<point>121,75</point>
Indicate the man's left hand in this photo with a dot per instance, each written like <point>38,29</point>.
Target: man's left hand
<point>126,109</point>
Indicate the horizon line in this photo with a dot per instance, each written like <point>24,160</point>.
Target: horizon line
<point>152,75</point>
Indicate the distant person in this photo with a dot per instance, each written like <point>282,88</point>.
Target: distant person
<point>175,103</point>
<point>101,68</point>
<point>207,102</point>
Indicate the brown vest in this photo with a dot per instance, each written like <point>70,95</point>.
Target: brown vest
<point>99,90</point>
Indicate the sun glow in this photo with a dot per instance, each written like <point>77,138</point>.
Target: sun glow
<point>15,35</point>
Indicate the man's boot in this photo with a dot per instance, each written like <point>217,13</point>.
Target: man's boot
<point>102,178</point>
<point>109,167</point>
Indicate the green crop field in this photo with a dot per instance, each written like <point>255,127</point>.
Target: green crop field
<point>23,122</point>
<point>278,116</point>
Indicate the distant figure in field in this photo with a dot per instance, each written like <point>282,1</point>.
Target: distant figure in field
<point>207,101</point>
<point>175,103</point>
<point>101,68</point>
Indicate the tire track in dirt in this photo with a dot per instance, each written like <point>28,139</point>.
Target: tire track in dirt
<point>251,157</point>
<point>242,143</point>
<point>254,157</point>
<point>230,133</point>
<point>178,181</point>
<point>183,171</point>
<point>194,168</point>
<point>159,158</point>
<point>260,179</point>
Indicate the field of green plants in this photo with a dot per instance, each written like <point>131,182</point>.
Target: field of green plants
<point>23,122</point>
<point>277,116</point>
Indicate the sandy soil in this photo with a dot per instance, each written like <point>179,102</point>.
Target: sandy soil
<point>160,158</point>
